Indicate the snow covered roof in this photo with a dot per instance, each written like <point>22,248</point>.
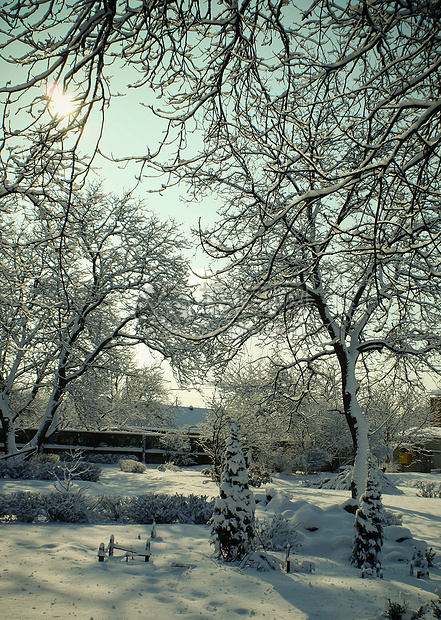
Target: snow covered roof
<point>189,416</point>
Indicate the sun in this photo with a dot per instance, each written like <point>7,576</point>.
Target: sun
<point>60,103</point>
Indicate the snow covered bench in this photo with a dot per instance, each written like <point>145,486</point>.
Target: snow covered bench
<point>128,552</point>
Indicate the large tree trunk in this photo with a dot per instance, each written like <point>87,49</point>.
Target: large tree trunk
<point>47,426</point>
<point>49,423</point>
<point>358,425</point>
<point>7,419</point>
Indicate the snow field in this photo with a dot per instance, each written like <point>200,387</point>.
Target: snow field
<point>52,570</point>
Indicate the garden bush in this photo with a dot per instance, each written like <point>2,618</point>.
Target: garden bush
<point>35,469</point>
<point>276,534</point>
<point>131,466</point>
<point>76,507</point>
<point>106,459</point>
<point>428,489</point>
<point>258,475</point>
<point>166,509</point>
<point>23,506</point>
<point>67,507</point>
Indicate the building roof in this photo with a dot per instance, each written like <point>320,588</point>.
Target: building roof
<point>189,416</point>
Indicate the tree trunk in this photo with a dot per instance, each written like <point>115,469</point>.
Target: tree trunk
<point>358,425</point>
<point>7,419</point>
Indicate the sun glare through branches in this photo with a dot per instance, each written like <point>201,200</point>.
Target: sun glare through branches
<point>60,103</point>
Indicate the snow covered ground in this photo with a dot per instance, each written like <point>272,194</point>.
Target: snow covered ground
<point>52,570</point>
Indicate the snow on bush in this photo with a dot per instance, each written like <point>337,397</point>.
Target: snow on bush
<point>428,489</point>
<point>368,539</point>
<point>163,508</point>
<point>342,482</point>
<point>401,611</point>
<point>261,561</point>
<point>66,507</point>
<point>23,506</point>
<point>47,470</point>
<point>258,475</point>
<point>28,507</point>
<point>160,508</point>
<point>232,524</point>
<point>106,459</point>
<point>277,533</point>
<point>46,458</point>
<point>419,565</point>
<point>168,466</point>
<point>79,508</point>
<point>131,466</point>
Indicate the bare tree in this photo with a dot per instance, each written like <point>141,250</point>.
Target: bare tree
<point>392,410</point>
<point>117,393</point>
<point>327,162</point>
<point>310,297</point>
<point>284,423</point>
<point>71,292</point>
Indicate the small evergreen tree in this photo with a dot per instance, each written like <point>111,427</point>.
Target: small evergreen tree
<point>368,540</point>
<point>232,524</point>
<point>419,566</point>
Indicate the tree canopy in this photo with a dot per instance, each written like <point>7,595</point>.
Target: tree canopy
<point>72,290</point>
<point>318,130</point>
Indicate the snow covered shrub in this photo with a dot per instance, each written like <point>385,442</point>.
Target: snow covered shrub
<point>109,508</point>
<point>261,561</point>
<point>368,540</point>
<point>148,508</point>
<point>78,508</point>
<point>398,611</point>
<point>160,508</point>
<point>436,606</point>
<point>258,475</point>
<point>48,470</point>
<point>342,481</point>
<point>66,507</point>
<point>391,518</point>
<point>90,472</point>
<point>419,566</point>
<point>46,458</point>
<point>168,467</point>
<point>104,459</point>
<point>131,466</point>
<point>428,489</point>
<point>232,524</point>
<point>276,534</point>
<point>395,610</point>
<point>23,506</point>
<point>199,509</point>
<point>430,556</point>
<point>26,470</point>
<point>76,468</point>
